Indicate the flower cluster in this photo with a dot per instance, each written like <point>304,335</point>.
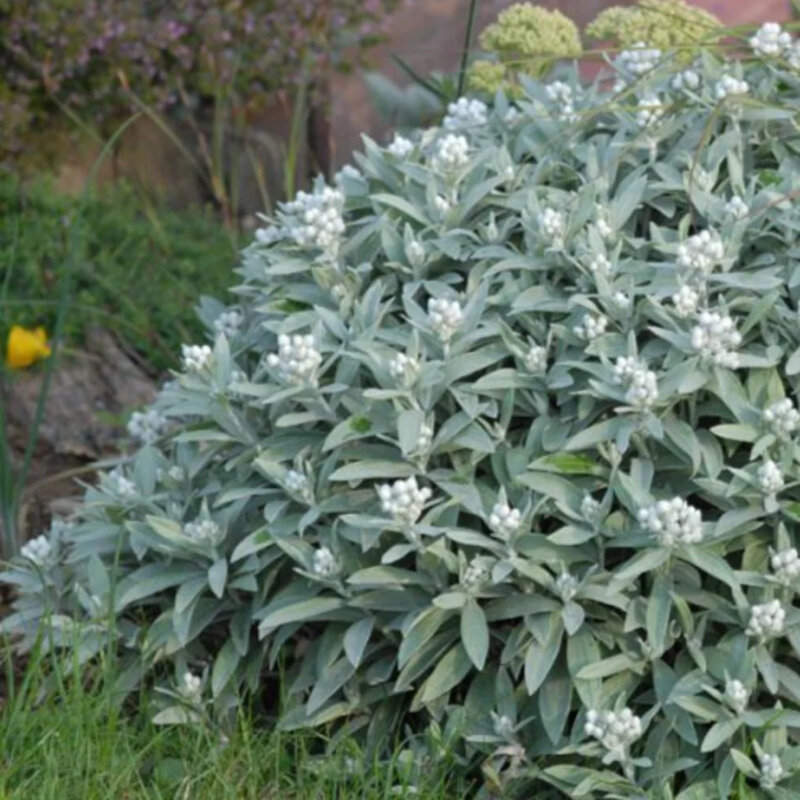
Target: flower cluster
<point>701,252</point>
<point>642,383</point>
<point>737,208</point>
<point>404,368</point>
<point>673,522</point>
<point>650,110</point>
<point>782,417</point>
<point>297,358</point>
<point>314,219</point>
<point>191,687</point>
<point>204,531</point>
<point>445,317</point>
<point>591,509</point>
<point>688,79</point>
<point>504,520</point>
<point>415,253</point>
<point>536,358</point>
<point>228,323</point>
<point>786,565</point>
<point>770,478</point>
<point>195,357</point>
<point>729,86</point>
<point>37,550</point>
<point>685,301</point>
<point>147,426</point>
<point>425,438</point>
<point>324,563</point>
<point>564,98</point>
<point>119,484</point>
<point>297,483</point>
<point>715,337</point>
<point>736,695</point>
<point>638,60</point>
<point>600,265</point>
<point>771,770</point>
<point>766,620</point>
<point>566,586</point>
<point>452,153</point>
<point>591,326</point>
<point>770,40</point>
<point>552,225</point>
<point>616,731</point>
<point>404,500</point>
<point>475,575</point>
<point>465,113</point>
<point>400,147</point>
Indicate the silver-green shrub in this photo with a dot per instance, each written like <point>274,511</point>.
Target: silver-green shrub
<point>500,437</point>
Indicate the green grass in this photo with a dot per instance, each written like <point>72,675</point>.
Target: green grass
<point>140,269</point>
<point>77,745</point>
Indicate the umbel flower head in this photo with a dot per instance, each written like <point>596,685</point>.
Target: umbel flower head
<point>663,24</point>
<point>25,347</point>
<point>525,31</point>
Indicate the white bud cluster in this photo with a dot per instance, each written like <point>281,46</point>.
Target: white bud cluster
<point>228,323</point>
<point>600,265</point>
<point>766,620</point>
<point>324,563</point>
<point>642,383</point>
<point>297,358</point>
<point>782,417</point>
<point>786,565</point>
<point>616,731</point>
<point>404,500</point>
<point>503,725</point>
<point>638,60</point>
<point>269,235</point>
<point>405,368</point>
<point>442,205</point>
<point>771,770</point>
<point>737,208</point>
<point>512,116</point>
<point>347,171</point>
<point>415,253</point>
<point>566,586</point>
<point>622,301</point>
<point>475,576</point>
<point>536,358</point>
<point>552,226</point>
<point>688,79</point>
<point>121,485</point>
<point>564,98</point>
<point>314,219</point>
<point>465,113</point>
<point>203,531</point>
<point>591,509</point>
<point>444,317</point>
<point>685,302</point>
<point>770,40</point>
<point>715,337</point>
<point>425,438</point>
<point>297,483</point>
<point>452,153</point>
<point>673,522</point>
<point>176,473</point>
<point>504,520</point>
<point>728,86</point>
<point>770,478</point>
<point>650,110</point>
<point>601,221</point>
<point>702,252</point>
<point>591,327</point>
<point>37,550</point>
<point>736,695</point>
<point>146,426</point>
<point>400,147</point>
<point>191,687</point>
<point>195,357</point>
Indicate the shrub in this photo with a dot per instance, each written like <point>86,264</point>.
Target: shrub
<point>137,275</point>
<point>500,437</point>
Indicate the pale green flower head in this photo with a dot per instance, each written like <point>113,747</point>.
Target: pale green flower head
<point>665,24</point>
<point>487,76</point>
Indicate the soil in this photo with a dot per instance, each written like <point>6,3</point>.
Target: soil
<point>91,394</point>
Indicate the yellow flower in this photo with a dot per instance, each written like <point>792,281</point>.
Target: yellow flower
<point>26,346</point>
<point>524,31</point>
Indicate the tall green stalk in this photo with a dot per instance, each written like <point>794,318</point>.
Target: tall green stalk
<point>462,70</point>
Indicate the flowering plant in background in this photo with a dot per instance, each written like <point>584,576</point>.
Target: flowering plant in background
<point>25,347</point>
<point>85,56</point>
<point>502,445</point>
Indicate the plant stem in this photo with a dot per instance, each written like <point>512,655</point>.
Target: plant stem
<point>462,71</point>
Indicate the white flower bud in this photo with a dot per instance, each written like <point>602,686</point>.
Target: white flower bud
<point>770,40</point>
<point>444,317</point>
<point>766,620</point>
<point>737,208</point>
<point>591,327</point>
<point>297,359</point>
<point>651,109</point>
<point>782,418</point>
<point>552,226</point>
<point>728,86</point>
<point>504,520</point>
<point>715,337</point>
<point>536,358</point>
<point>685,301</point>
<point>465,113</point>
<point>196,357</point>
<point>563,99</point>
<point>191,688</point>
<point>324,563</point>
<point>736,695</point>
<point>400,147</point>
<point>642,383</point>
<point>771,770</point>
<point>204,532</point>
<point>673,522</point>
<point>404,500</point>
<point>770,478</point>
<point>475,576</point>
<point>452,153</point>
<point>786,565</point>
<point>228,323</point>
<point>146,426</point>
<point>404,368</point>
<point>638,60</point>
<point>37,550</point>
<point>701,252</point>
<point>616,731</point>
<point>315,219</point>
